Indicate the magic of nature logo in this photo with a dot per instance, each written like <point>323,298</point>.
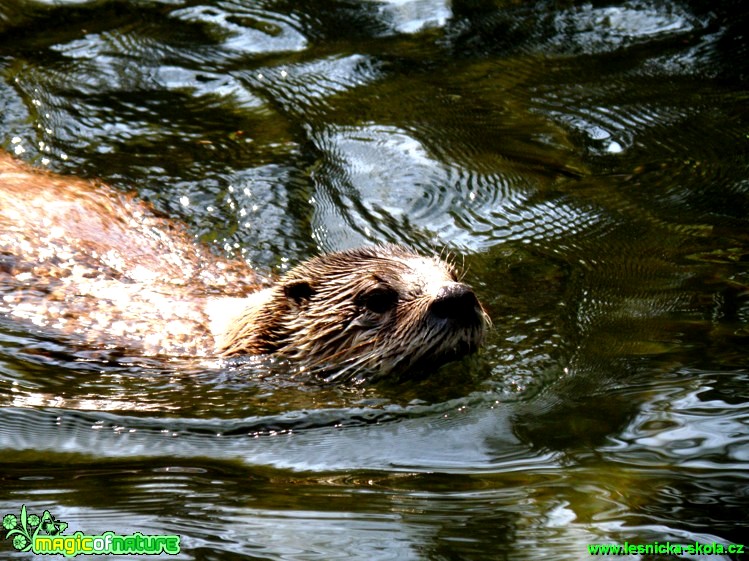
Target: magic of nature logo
<point>45,535</point>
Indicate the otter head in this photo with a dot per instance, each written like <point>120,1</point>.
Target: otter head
<point>364,312</point>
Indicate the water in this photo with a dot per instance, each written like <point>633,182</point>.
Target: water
<point>586,162</point>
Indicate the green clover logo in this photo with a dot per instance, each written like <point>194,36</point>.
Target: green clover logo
<point>19,542</point>
<point>50,525</point>
<point>10,521</point>
<point>24,530</point>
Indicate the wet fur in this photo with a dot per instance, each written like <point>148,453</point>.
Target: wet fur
<point>104,269</point>
<point>319,314</point>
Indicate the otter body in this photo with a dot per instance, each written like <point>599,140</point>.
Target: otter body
<point>102,268</point>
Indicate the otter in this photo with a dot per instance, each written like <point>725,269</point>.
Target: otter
<point>104,269</point>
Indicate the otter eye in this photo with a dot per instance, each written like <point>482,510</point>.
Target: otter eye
<point>380,300</point>
<point>299,291</point>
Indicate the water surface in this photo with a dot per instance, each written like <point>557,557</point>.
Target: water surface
<point>586,163</point>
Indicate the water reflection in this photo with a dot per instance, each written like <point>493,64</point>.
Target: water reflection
<point>585,163</point>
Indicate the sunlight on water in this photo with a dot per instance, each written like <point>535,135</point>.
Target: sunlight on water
<point>582,164</point>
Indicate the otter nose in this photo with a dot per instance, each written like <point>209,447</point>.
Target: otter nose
<point>455,301</point>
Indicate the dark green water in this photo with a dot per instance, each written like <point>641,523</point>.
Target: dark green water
<point>589,164</point>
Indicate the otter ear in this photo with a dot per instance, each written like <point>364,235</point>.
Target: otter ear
<point>300,291</point>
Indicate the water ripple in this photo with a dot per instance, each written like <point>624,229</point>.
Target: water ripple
<point>596,29</point>
<point>305,88</point>
<point>683,427</point>
<point>244,30</point>
<point>295,440</point>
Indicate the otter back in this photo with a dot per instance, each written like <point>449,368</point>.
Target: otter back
<point>103,267</point>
